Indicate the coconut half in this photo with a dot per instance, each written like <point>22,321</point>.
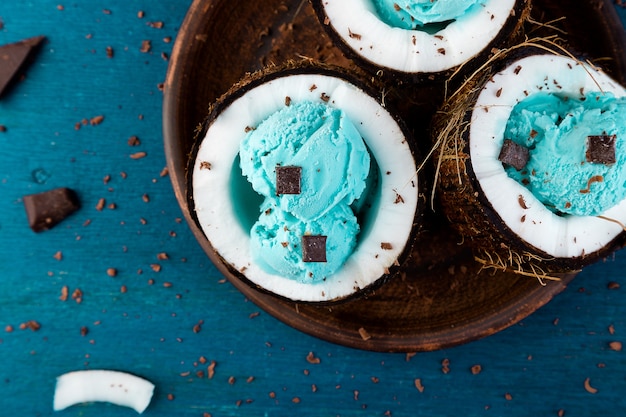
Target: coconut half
<point>509,224</point>
<point>225,206</point>
<point>358,28</point>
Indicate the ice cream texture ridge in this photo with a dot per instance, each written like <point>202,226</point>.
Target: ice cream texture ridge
<point>559,132</point>
<point>413,14</point>
<point>330,163</point>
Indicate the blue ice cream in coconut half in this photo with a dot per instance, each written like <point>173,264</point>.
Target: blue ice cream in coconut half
<point>305,185</point>
<point>423,39</point>
<point>541,146</point>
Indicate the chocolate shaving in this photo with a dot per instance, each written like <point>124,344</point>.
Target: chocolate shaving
<point>313,248</point>
<point>592,180</point>
<point>514,154</point>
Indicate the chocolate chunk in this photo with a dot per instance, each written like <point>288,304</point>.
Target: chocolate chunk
<point>513,154</point>
<point>288,180</point>
<point>313,248</point>
<point>13,57</point>
<point>47,209</point>
<point>601,149</point>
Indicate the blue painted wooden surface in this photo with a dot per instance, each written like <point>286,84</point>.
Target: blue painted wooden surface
<point>169,321</point>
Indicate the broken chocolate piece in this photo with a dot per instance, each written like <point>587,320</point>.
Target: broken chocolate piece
<point>513,154</point>
<point>313,248</point>
<point>47,209</point>
<point>601,149</point>
<point>288,180</point>
<point>13,57</point>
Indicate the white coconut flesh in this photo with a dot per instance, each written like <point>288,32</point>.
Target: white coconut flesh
<point>218,200</point>
<point>559,236</point>
<point>415,51</point>
<point>119,388</point>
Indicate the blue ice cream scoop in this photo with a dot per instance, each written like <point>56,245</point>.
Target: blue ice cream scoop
<point>279,242</point>
<point>411,14</point>
<point>318,140</point>
<point>577,150</point>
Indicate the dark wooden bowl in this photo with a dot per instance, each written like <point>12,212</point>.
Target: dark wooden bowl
<point>441,298</point>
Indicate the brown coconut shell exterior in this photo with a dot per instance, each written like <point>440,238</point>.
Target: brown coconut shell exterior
<point>372,87</point>
<point>460,197</point>
<point>511,33</point>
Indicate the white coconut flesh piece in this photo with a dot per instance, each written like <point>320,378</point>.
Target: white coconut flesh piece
<point>119,388</point>
<point>414,51</point>
<point>560,236</point>
<point>219,203</point>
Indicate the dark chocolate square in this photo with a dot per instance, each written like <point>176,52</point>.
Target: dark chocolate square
<point>288,179</point>
<point>14,57</point>
<point>45,210</point>
<point>514,154</point>
<point>601,149</point>
<point>313,248</point>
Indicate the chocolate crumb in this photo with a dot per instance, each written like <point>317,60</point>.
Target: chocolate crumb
<point>134,141</point>
<point>522,202</point>
<point>514,154</point>
<point>64,293</point>
<point>109,52</point>
<point>616,346</point>
<point>386,246</point>
<point>589,388</point>
<point>445,366</point>
<point>146,46</point>
<point>418,385</point>
<point>287,101</point>
<point>354,35</point>
<point>211,369</point>
<point>311,358</point>
<point>138,155</point>
<point>96,120</point>
<point>30,324</point>
<point>364,334</point>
